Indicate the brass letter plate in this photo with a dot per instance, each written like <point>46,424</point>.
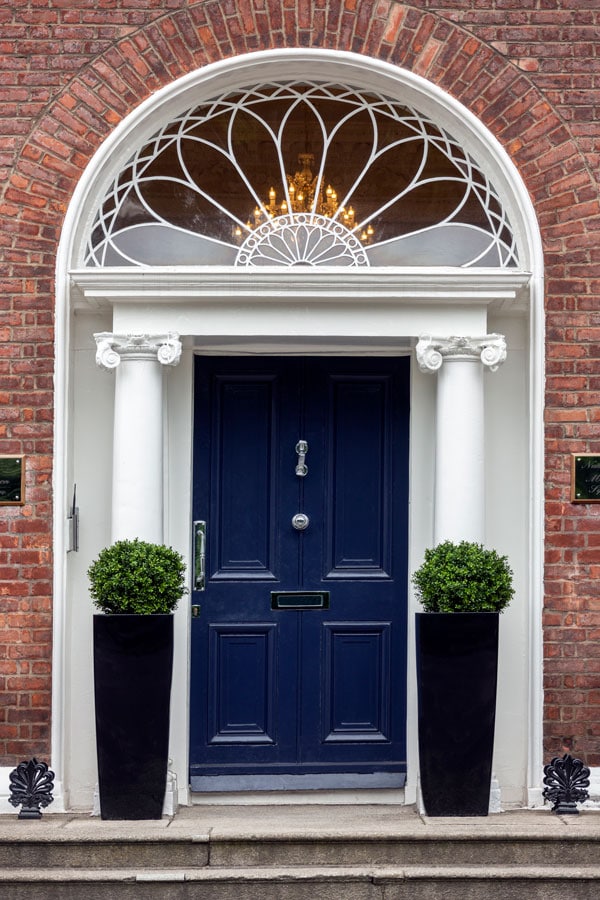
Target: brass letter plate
<point>299,599</point>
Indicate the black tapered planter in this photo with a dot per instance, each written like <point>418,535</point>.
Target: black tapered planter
<point>457,665</point>
<point>133,663</point>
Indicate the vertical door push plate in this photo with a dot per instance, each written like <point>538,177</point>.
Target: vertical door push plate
<point>199,556</point>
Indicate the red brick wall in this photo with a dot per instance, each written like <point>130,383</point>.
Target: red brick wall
<point>69,71</point>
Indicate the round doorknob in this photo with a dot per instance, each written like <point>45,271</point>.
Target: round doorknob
<point>300,521</point>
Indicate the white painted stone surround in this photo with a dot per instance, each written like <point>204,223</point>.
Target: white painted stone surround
<point>284,311</point>
<point>139,318</point>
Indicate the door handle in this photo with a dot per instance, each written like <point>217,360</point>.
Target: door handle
<point>199,556</point>
<point>301,450</point>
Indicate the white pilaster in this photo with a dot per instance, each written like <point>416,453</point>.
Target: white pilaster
<point>460,446</point>
<point>137,483</point>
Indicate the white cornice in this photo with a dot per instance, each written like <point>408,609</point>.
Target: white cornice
<point>504,289</point>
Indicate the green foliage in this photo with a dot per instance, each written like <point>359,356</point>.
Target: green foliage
<point>137,577</point>
<point>463,577</point>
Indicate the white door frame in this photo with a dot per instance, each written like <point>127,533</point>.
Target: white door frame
<point>319,311</point>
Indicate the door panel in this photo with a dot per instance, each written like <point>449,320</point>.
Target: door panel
<point>359,655</point>
<point>244,443</point>
<point>358,513</point>
<point>319,689</point>
<point>241,696</point>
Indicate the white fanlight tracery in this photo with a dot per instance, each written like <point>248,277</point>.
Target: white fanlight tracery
<point>187,196</point>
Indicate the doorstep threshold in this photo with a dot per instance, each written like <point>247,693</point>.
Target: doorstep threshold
<point>288,782</point>
<point>377,788</point>
<point>365,797</point>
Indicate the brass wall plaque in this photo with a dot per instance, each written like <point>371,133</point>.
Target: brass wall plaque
<point>12,480</point>
<point>585,478</point>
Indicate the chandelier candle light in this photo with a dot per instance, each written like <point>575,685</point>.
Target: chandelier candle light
<point>302,187</point>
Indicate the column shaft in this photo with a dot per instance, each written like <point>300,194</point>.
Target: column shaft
<point>137,482</point>
<point>137,486</point>
<point>459,513</point>
<point>460,453</point>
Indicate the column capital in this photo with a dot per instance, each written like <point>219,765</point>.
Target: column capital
<point>112,348</point>
<point>432,351</point>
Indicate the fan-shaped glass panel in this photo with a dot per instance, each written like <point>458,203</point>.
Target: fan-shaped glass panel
<point>302,174</point>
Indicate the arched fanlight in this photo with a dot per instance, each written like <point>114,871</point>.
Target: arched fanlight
<point>302,173</point>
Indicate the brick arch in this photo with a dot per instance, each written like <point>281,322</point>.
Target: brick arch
<point>473,72</point>
<point>56,151</point>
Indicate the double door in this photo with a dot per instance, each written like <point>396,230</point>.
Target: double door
<point>299,617</point>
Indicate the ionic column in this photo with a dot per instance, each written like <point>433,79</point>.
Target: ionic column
<point>459,512</point>
<point>137,482</point>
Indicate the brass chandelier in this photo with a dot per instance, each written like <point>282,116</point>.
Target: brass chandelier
<point>302,186</point>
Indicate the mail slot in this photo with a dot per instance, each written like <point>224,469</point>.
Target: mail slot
<point>299,599</point>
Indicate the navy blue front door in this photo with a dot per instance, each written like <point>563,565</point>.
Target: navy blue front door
<point>299,642</point>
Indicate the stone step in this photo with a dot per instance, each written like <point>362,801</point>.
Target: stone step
<point>446,850</point>
<point>113,854</point>
<point>574,848</point>
<point>302,853</point>
<point>304,883</point>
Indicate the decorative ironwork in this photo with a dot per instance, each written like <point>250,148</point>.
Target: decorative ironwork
<point>406,191</point>
<point>567,780</point>
<point>31,785</point>
<point>301,239</point>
